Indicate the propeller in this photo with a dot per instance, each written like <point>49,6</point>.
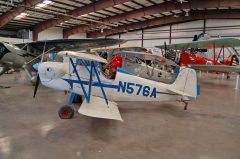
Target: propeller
<point>38,78</point>
<point>36,86</point>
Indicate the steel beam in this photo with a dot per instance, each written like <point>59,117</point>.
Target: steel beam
<point>196,15</point>
<point>93,7</point>
<point>156,9</point>
<point>20,8</point>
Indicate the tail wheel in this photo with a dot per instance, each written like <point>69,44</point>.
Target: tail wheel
<point>66,112</point>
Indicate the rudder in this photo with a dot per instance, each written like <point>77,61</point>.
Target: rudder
<point>186,82</point>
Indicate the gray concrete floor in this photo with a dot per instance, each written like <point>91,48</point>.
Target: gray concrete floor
<point>31,129</point>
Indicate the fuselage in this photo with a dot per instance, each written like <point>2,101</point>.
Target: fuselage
<point>124,87</point>
<point>188,59</point>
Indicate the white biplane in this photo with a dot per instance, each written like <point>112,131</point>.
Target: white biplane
<point>80,74</point>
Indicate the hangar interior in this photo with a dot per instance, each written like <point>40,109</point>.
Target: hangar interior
<point>208,129</point>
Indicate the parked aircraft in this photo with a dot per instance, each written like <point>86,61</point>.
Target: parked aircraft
<point>18,56</point>
<point>189,57</point>
<point>82,75</point>
<point>137,62</point>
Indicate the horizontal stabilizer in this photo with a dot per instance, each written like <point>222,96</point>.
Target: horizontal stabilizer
<point>180,93</point>
<point>98,108</point>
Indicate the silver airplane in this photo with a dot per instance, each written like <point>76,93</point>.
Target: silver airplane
<point>24,55</point>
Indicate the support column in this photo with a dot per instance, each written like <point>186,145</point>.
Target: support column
<point>170,34</point>
<point>35,35</point>
<point>142,37</point>
<point>204,26</point>
<point>119,37</point>
<point>237,81</point>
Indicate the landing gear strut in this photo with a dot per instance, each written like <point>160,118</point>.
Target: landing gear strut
<point>186,105</point>
<point>66,112</point>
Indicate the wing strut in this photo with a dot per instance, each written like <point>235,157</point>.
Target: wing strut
<point>91,72</point>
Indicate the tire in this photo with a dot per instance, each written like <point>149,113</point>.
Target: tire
<point>66,112</point>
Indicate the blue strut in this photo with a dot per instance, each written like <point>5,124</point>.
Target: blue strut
<point>91,72</point>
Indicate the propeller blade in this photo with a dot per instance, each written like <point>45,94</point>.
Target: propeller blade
<point>36,86</point>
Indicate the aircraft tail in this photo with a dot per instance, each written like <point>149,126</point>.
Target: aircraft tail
<point>186,83</point>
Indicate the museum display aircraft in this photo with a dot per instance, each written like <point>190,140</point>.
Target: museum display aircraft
<point>83,74</point>
<point>137,62</point>
<point>189,57</point>
<point>24,55</point>
<point>150,66</point>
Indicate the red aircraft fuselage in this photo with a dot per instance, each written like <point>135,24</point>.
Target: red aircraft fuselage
<point>188,59</point>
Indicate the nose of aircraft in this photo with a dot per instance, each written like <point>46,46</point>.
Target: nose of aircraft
<point>51,70</point>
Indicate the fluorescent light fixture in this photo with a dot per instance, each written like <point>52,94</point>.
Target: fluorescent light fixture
<point>41,5</point>
<point>22,15</point>
<point>44,4</point>
<point>47,2</point>
<point>84,15</point>
<point>176,16</point>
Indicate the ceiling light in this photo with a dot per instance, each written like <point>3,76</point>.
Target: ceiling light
<point>21,15</point>
<point>176,16</point>
<point>24,14</point>
<point>40,5</point>
<point>47,2</point>
<point>44,4</point>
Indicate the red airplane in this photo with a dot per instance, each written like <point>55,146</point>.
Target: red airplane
<point>189,59</point>
<point>200,44</point>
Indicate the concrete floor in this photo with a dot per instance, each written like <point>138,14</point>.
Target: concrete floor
<point>31,129</point>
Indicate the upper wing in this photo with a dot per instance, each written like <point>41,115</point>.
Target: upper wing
<point>84,56</point>
<point>73,44</point>
<point>220,68</point>
<point>117,49</point>
<point>147,56</point>
<point>203,44</point>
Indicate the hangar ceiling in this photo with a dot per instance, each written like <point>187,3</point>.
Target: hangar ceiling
<point>107,17</point>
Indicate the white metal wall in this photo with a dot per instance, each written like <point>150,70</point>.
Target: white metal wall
<point>182,32</point>
<point>78,36</point>
<point>50,34</point>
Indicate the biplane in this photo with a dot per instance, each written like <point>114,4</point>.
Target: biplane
<point>24,55</point>
<point>81,74</point>
<point>137,62</point>
<point>189,54</point>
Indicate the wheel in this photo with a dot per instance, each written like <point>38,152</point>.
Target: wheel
<point>66,112</point>
<point>78,99</point>
<point>228,77</point>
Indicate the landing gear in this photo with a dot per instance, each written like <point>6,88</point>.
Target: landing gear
<point>78,99</point>
<point>228,76</point>
<point>185,105</point>
<point>66,112</point>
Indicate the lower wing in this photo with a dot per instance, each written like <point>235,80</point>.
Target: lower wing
<point>98,108</point>
<point>217,68</point>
